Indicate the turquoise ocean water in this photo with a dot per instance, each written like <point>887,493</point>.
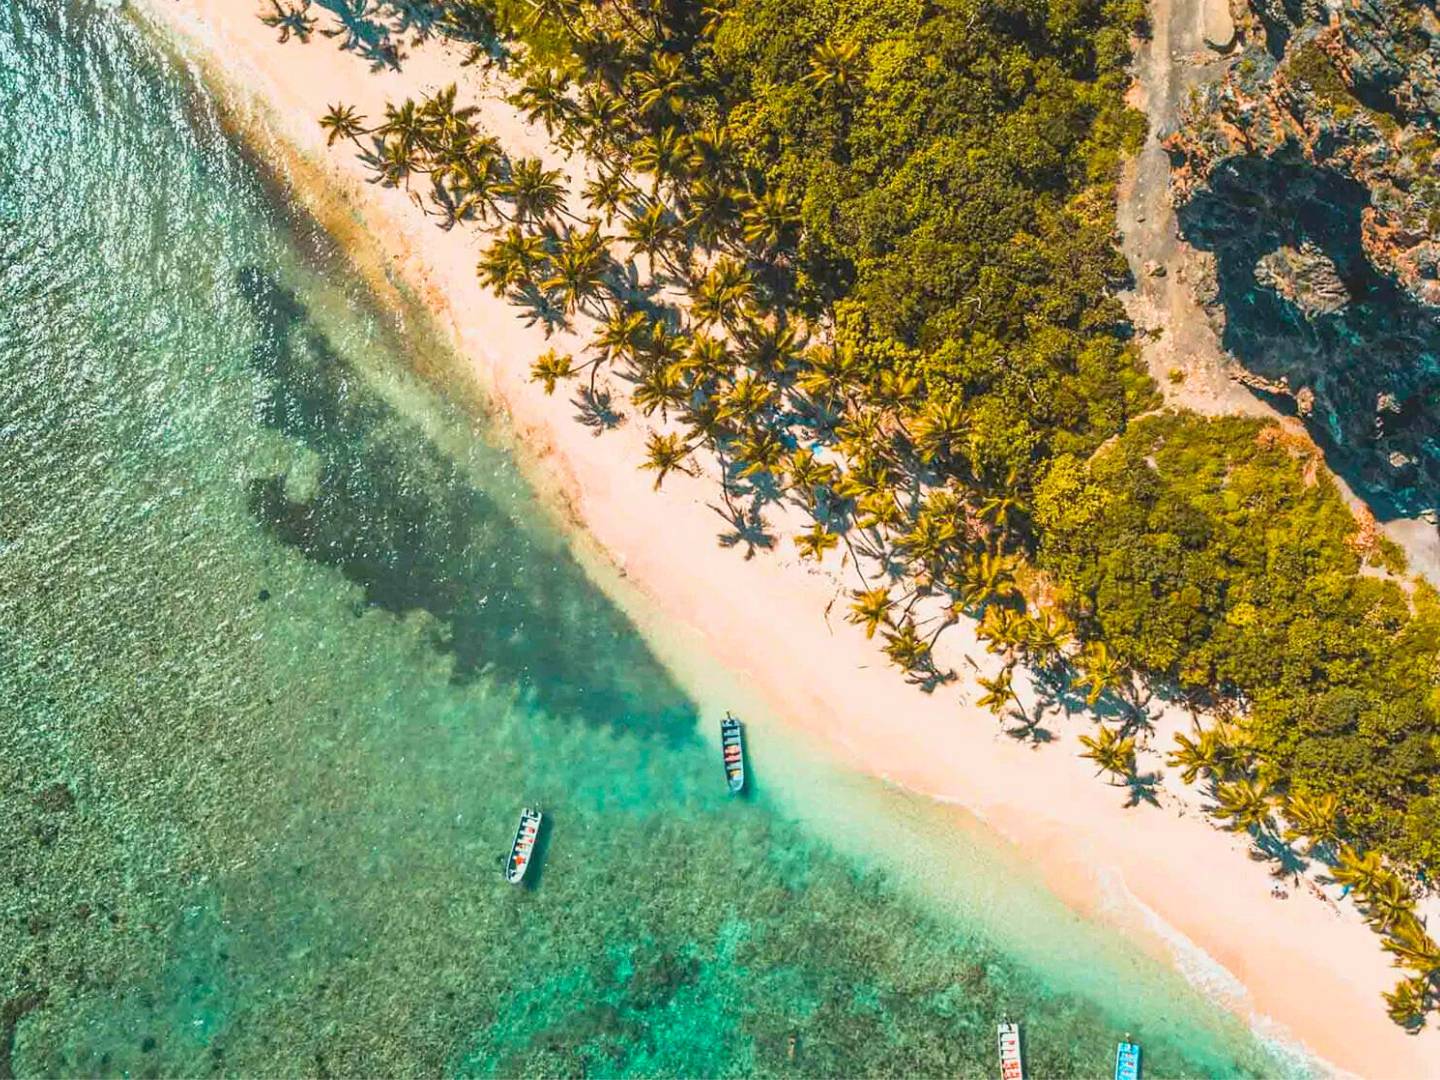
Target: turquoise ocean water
<point>285,644</point>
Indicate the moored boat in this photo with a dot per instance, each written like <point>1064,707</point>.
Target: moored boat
<point>1012,1064</point>
<point>1127,1060</point>
<point>522,851</point>
<point>732,749</point>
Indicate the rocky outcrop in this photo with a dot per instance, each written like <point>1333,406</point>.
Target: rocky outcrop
<point>1304,276</point>
<point>1311,174</point>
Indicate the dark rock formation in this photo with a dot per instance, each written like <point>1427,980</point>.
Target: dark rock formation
<point>1311,173</point>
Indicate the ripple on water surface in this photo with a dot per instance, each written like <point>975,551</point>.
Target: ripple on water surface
<point>283,648</point>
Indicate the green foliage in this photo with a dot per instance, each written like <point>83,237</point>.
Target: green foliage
<point>961,197</point>
<point>1222,561</point>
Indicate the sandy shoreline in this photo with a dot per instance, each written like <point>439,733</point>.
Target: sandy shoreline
<point>1312,972</point>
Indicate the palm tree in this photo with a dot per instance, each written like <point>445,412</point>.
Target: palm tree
<point>871,609</point>
<point>1110,752</point>
<point>712,205</point>
<point>771,348</point>
<point>724,294</point>
<point>442,122</point>
<point>1195,757</point>
<point>1100,671</point>
<point>709,359</point>
<point>512,260</point>
<point>652,232</point>
<point>879,509</point>
<point>937,428</point>
<point>1408,1003</point>
<point>1001,507</point>
<point>1313,818</point>
<point>713,152</point>
<point>808,475</point>
<point>988,579</point>
<point>665,344</point>
<point>662,86</point>
<point>906,648</point>
<point>606,193</point>
<point>601,114</point>
<point>604,55</point>
<point>396,163</point>
<point>476,187</point>
<point>761,451</point>
<point>535,191</point>
<point>550,367</point>
<point>835,66</point>
<point>747,399</point>
<point>1235,749</point>
<point>342,122</point>
<point>929,539</point>
<point>770,221</point>
<point>662,387</point>
<point>816,542</point>
<point>1414,949</point>
<point>1363,873</point>
<point>622,335</point>
<point>542,97</point>
<point>714,14</point>
<point>578,269</point>
<point>1048,634</point>
<point>1389,903</point>
<point>998,691</point>
<point>1245,803</point>
<point>664,155</point>
<point>1002,630</point>
<point>830,373</point>
<point>404,125</point>
<point>664,454</point>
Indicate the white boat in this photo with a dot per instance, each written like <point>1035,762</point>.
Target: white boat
<point>732,749</point>
<point>1127,1060</point>
<point>1012,1065</point>
<point>522,851</point>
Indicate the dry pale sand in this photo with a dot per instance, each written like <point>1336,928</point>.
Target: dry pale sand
<point>1310,970</point>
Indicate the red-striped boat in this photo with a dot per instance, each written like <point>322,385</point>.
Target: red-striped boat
<point>1012,1061</point>
<point>522,851</point>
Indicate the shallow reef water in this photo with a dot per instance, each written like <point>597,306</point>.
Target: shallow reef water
<point>285,644</point>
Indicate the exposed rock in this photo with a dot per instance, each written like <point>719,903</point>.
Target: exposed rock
<point>1311,175</point>
<point>1219,32</point>
<point>1305,277</point>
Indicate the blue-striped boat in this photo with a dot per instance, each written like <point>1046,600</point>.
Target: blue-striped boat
<point>1127,1060</point>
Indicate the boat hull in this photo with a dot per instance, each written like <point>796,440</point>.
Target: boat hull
<point>1012,1063</point>
<point>522,848</point>
<point>1127,1061</point>
<point>732,753</point>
